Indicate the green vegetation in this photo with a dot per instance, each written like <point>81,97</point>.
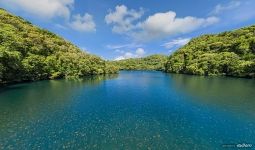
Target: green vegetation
<point>229,53</point>
<point>153,62</point>
<point>28,53</point>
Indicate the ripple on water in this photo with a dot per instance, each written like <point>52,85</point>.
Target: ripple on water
<point>136,110</point>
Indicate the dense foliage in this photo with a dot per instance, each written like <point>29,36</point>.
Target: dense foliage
<point>28,53</point>
<point>229,53</point>
<point>153,62</point>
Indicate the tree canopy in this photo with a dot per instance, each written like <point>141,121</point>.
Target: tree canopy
<point>229,53</point>
<point>29,53</point>
<point>153,62</point>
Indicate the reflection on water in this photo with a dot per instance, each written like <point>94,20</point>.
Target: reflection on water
<point>227,93</point>
<point>28,99</point>
<point>132,110</point>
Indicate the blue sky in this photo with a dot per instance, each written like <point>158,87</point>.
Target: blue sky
<point>118,29</point>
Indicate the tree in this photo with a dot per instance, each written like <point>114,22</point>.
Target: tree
<point>229,53</point>
<point>28,53</point>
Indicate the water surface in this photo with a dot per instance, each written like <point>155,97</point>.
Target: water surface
<point>132,110</point>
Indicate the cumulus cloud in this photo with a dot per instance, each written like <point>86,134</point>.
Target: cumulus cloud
<point>158,25</point>
<point>167,24</point>
<point>48,9</point>
<point>127,55</point>
<point>176,43</point>
<point>140,52</point>
<point>83,23</point>
<point>42,8</point>
<point>123,19</point>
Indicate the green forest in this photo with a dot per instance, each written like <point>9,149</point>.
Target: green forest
<point>153,62</point>
<point>229,53</point>
<point>28,53</point>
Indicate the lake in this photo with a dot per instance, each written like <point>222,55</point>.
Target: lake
<point>132,110</point>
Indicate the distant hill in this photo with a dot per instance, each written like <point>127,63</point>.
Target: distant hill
<point>229,53</point>
<point>29,53</point>
<point>153,62</point>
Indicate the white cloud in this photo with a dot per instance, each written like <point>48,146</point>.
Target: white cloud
<point>158,25</point>
<point>137,54</point>
<point>176,43</point>
<point>83,23</point>
<point>48,9</point>
<point>42,8</point>
<point>123,46</point>
<point>161,25</point>
<point>119,58</point>
<point>221,8</point>
<point>140,52</point>
<point>110,46</point>
<point>235,11</point>
<point>126,55</point>
<point>123,19</point>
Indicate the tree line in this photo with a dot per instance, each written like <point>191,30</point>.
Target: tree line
<point>28,53</point>
<point>153,62</point>
<point>229,53</point>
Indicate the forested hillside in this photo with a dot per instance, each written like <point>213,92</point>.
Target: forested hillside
<point>153,62</point>
<point>228,53</point>
<point>28,53</point>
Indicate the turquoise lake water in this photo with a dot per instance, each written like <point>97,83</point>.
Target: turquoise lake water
<point>132,110</point>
